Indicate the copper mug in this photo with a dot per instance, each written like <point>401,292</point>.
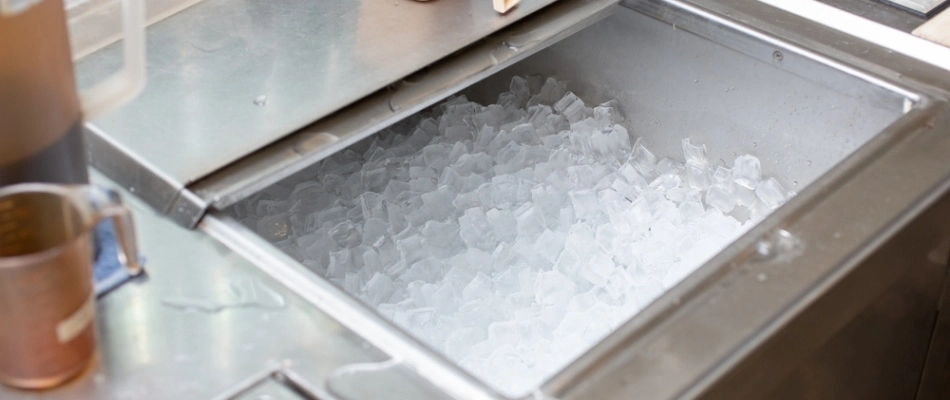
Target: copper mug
<point>47,302</point>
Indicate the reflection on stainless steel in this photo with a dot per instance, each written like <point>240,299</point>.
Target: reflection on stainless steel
<point>355,376</point>
<point>208,62</point>
<point>243,293</point>
<point>368,116</point>
<point>350,381</point>
<point>136,168</point>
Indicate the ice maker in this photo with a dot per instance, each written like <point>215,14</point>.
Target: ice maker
<point>672,85</point>
<point>860,253</point>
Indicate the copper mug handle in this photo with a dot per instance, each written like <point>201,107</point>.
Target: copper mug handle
<point>101,203</point>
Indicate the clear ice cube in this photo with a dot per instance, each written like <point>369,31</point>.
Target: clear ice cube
<point>747,171</point>
<point>379,288</point>
<point>372,205</point>
<point>585,203</point>
<point>720,198</point>
<point>551,91</point>
<point>519,88</point>
<point>346,234</point>
<point>695,155</point>
<point>745,195</point>
<point>479,288</point>
<point>374,179</point>
<point>697,177</point>
<point>530,221</point>
<point>476,231</point>
<point>444,236</point>
<point>608,114</point>
<point>553,288</point>
<point>411,249</point>
<point>504,224</point>
<point>770,193</point>
<point>643,160</point>
<point>598,269</point>
<point>374,232</point>
<point>571,107</point>
<point>723,176</point>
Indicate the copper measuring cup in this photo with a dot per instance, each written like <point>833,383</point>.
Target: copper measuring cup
<point>47,302</point>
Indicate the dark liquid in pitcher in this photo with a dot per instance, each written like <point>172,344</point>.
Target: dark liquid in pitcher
<point>64,161</point>
<point>41,137</point>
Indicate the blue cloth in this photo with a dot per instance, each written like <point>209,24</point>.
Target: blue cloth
<point>108,273</point>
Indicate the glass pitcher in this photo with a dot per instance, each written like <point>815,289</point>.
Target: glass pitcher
<point>41,112</point>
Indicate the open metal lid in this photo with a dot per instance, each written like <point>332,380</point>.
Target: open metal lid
<point>227,78</point>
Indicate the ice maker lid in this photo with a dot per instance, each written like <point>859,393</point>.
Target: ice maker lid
<point>228,77</point>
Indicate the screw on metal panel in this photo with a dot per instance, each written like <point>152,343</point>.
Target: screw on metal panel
<point>777,55</point>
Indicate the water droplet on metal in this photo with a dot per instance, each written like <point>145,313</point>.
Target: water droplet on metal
<point>780,245</point>
<point>808,162</point>
<point>245,293</point>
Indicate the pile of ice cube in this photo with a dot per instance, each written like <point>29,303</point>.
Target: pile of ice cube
<point>513,236</point>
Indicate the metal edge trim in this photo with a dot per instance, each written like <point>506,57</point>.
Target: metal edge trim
<point>130,171</point>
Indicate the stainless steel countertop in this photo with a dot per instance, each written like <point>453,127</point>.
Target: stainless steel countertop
<point>151,350</point>
<point>235,75</point>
